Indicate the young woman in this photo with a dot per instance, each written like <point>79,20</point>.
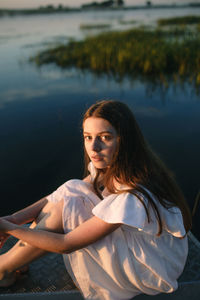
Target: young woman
<point>122,229</point>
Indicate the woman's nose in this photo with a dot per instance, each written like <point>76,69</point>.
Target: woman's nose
<point>96,145</point>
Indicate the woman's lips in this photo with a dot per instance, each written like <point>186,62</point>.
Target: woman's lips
<point>97,158</point>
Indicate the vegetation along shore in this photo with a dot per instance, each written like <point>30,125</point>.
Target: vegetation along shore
<point>160,55</point>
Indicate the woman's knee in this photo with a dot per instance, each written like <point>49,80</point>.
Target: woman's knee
<point>51,219</point>
<point>45,210</point>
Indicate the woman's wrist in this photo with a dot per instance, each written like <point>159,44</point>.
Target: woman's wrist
<point>11,218</point>
<point>6,226</point>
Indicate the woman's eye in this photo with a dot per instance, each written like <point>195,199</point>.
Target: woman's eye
<point>87,137</point>
<point>106,137</point>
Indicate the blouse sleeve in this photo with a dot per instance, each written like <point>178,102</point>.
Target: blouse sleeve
<point>127,209</point>
<point>122,208</point>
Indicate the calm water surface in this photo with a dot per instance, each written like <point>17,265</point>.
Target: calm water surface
<point>40,109</point>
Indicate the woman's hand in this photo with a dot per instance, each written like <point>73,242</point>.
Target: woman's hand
<point>4,225</point>
<point>3,239</point>
<point>3,235</point>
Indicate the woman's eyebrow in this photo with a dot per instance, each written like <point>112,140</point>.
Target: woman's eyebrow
<point>102,132</point>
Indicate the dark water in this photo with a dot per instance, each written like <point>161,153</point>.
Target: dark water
<point>41,145</point>
<point>40,120</point>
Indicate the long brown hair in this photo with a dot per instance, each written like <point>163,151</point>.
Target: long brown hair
<point>135,164</point>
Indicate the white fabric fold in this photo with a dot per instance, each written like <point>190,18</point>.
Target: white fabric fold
<point>127,209</point>
<point>132,259</point>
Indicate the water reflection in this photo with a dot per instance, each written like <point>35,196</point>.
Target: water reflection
<point>40,112</point>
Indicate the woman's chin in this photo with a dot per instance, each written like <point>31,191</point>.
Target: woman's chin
<point>100,165</point>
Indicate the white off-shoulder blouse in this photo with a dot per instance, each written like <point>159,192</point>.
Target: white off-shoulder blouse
<point>132,259</point>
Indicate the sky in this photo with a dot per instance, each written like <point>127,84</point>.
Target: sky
<point>74,3</point>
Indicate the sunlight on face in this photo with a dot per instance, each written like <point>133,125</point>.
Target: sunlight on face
<point>100,140</point>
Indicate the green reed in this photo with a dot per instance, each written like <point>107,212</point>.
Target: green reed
<point>154,55</point>
<point>185,20</point>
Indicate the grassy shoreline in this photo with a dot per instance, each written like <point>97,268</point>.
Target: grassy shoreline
<point>155,55</point>
<point>185,20</point>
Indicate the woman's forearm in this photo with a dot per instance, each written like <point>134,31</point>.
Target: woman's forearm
<point>85,234</point>
<point>27,214</point>
<point>48,241</point>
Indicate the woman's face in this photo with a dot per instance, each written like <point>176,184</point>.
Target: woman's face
<point>100,140</point>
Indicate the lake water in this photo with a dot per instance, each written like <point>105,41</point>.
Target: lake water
<point>40,109</point>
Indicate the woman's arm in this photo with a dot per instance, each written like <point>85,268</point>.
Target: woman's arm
<point>87,233</point>
<point>27,214</point>
<point>23,216</point>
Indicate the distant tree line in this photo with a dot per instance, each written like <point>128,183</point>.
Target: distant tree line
<point>104,4</point>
